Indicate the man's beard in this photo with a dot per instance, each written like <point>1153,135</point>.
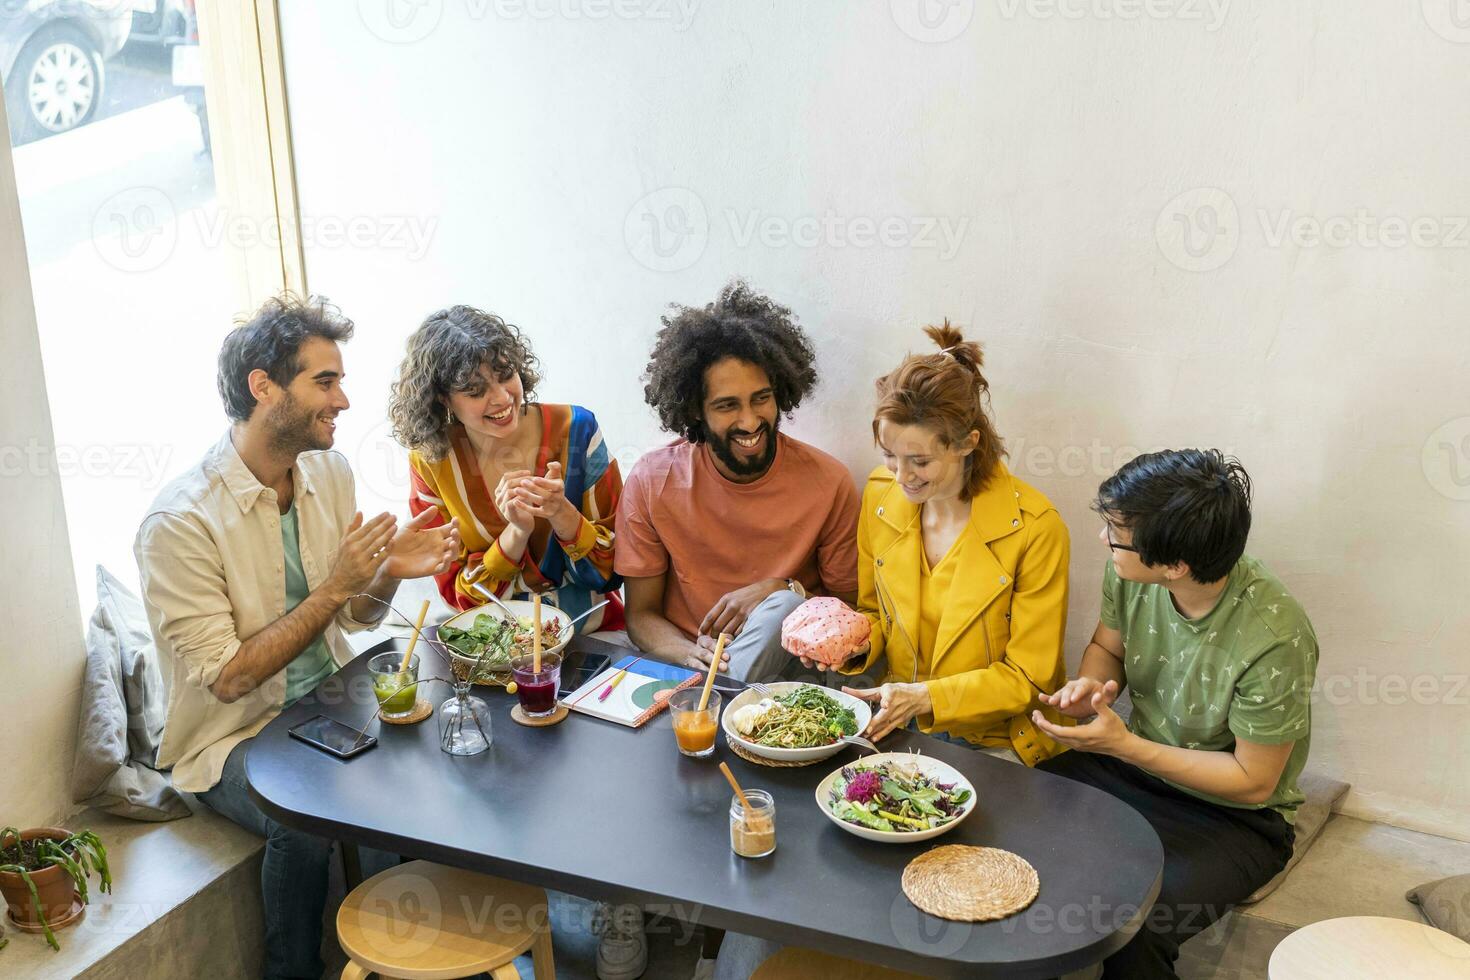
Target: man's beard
<point>293,430</point>
<point>721,447</point>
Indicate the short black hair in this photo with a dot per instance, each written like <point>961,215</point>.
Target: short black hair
<point>1182,505</point>
<point>270,341</point>
<point>741,323</point>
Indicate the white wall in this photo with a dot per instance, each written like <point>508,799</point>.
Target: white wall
<point>40,644</point>
<point>535,146</point>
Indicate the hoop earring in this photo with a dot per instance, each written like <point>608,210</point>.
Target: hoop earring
<point>448,416</point>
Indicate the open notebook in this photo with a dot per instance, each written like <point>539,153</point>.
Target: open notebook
<point>642,693</point>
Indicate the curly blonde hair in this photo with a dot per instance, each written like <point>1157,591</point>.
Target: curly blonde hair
<point>445,355</point>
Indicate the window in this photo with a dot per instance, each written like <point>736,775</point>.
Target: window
<point>140,258</point>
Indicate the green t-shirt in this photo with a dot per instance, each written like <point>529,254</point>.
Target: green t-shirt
<point>314,664</point>
<point>1243,670</point>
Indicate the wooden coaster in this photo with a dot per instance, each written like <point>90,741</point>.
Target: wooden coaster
<point>970,884</point>
<point>421,710</point>
<point>555,718</point>
<point>763,761</point>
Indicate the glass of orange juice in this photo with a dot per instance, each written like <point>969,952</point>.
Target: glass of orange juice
<point>695,729</point>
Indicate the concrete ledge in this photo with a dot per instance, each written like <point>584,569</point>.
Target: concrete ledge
<point>186,903</point>
<point>1354,868</point>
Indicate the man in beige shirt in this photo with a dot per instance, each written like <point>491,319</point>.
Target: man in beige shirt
<point>254,564</point>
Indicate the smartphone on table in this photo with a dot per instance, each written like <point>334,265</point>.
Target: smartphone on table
<point>579,669</point>
<point>332,737</point>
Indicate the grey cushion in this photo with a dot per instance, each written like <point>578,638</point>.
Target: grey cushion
<point>1445,904</point>
<point>1322,794</point>
<point>123,707</point>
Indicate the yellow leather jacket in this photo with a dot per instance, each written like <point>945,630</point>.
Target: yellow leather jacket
<point>1001,634</point>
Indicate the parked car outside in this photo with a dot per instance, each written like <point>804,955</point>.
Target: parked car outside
<point>51,59</point>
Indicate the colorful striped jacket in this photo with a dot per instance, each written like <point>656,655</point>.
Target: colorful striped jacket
<point>573,574</point>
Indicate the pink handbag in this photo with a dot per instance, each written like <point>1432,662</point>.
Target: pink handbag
<point>825,630</point>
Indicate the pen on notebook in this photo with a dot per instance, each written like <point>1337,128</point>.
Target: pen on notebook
<point>612,684</point>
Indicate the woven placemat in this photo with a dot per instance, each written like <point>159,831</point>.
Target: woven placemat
<point>970,884</point>
<point>421,710</point>
<point>763,761</point>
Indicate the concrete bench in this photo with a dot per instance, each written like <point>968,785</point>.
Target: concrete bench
<point>185,903</point>
<point>1354,868</point>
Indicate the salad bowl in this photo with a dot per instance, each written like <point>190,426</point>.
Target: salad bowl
<point>551,617</point>
<point>933,770</point>
<point>861,712</point>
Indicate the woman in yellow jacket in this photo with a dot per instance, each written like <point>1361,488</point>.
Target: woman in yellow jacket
<point>962,567</point>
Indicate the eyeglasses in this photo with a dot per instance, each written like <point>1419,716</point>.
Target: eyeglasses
<point>1119,547</point>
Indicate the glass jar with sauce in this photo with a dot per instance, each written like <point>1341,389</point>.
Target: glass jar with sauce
<point>753,830</point>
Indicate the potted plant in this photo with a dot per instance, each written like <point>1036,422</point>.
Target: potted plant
<point>43,876</point>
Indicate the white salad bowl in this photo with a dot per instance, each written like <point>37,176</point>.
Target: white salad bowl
<point>933,768</point>
<point>524,609</point>
<point>861,712</point>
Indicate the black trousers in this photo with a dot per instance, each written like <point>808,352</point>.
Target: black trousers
<point>1214,857</point>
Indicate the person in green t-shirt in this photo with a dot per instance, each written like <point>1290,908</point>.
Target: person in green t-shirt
<point>1219,661</point>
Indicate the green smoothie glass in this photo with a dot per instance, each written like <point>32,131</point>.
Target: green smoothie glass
<point>397,689</point>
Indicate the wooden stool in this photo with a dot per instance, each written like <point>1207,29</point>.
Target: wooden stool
<point>423,921</point>
<point>1368,947</point>
<point>795,963</point>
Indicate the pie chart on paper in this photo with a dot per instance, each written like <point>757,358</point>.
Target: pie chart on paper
<point>647,694</point>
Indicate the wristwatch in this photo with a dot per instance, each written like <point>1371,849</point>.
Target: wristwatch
<point>796,587</point>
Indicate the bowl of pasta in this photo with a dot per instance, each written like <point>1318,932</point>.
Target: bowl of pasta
<point>796,722</point>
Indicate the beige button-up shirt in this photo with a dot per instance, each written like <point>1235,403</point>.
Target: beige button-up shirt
<point>213,570</point>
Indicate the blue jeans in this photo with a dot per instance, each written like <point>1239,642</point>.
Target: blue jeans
<point>293,876</point>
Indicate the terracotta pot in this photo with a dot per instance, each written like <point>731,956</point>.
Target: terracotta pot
<point>53,885</point>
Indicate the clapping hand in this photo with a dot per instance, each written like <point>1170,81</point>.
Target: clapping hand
<point>510,505</point>
<point>544,497</point>
<point>1104,734</point>
<point>1075,697</point>
<point>417,550</point>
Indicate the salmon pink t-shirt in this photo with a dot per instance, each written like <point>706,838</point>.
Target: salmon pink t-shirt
<point>679,516</point>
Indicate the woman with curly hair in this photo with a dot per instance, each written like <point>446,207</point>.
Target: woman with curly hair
<point>532,484</point>
<point>726,529</point>
<point>962,567</point>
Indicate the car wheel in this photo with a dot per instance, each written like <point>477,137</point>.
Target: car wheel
<point>56,84</point>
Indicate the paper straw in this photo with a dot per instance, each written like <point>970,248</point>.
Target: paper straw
<point>412,640</point>
<point>536,632</point>
<point>725,768</point>
<point>714,668</point>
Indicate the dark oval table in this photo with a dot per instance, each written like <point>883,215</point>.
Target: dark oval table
<point>609,812</point>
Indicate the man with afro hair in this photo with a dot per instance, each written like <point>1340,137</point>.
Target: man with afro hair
<point>728,528</point>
